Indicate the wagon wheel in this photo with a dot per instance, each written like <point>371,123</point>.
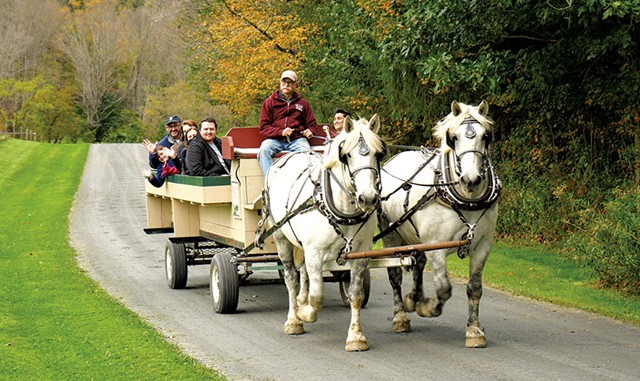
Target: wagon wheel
<point>175,265</point>
<point>225,283</point>
<point>344,288</point>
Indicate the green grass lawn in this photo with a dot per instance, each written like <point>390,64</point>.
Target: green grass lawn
<point>542,274</point>
<point>55,323</point>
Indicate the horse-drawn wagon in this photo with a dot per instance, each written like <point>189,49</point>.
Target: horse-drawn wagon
<point>435,200</point>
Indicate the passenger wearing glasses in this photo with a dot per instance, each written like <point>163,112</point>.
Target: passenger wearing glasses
<point>173,137</point>
<point>287,121</point>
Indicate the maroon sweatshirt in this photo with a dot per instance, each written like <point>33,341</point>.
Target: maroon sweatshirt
<point>277,114</point>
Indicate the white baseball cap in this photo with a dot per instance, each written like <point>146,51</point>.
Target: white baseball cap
<point>289,74</point>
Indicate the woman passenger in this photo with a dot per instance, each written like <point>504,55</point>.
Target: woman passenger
<point>189,131</point>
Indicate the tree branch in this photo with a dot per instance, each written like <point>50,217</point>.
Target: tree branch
<point>259,30</point>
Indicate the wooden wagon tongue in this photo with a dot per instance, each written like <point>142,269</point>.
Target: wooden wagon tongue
<point>408,249</point>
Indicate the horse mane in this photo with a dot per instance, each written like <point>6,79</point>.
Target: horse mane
<point>451,122</point>
<point>350,140</point>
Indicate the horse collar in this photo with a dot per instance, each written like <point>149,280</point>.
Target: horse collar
<point>449,194</point>
<point>323,197</point>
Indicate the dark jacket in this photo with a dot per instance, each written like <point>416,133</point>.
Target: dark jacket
<point>181,155</point>
<point>277,114</point>
<point>202,161</point>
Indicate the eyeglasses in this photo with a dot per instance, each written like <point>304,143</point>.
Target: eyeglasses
<point>173,125</point>
<point>284,82</point>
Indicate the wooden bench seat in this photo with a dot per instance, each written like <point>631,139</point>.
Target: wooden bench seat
<point>244,143</point>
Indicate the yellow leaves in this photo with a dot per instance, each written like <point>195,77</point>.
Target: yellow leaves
<point>247,45</point>
<point>560,190</point>
<point>536,153</point>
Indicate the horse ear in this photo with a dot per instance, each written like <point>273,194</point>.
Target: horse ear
<point>374,123</point>
<point>483,108</point>
<point>455,108</point>
<point>348,124</point>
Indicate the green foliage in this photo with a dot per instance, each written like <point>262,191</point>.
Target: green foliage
<point>608,241</point>
<point>182,100</point>
<point>39,106</point>
<point>122,126</point>
<point>55,323</point>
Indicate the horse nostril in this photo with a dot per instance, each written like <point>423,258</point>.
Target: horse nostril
<point>367,203</point>
<point>471,180</point>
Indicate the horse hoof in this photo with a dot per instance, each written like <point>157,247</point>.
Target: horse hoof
<point>476,342</point>
<point>357,346</point>
<point>475,337</point>
<point>307,314</point>
<point>293,328</point>
<point>409,304</point>
<point>401,323</point>
<point>402,328</point>
<point>428,309</point>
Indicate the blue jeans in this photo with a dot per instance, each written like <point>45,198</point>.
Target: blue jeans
<point>270,147</point>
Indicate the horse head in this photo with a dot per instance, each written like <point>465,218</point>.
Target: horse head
<point>358,151</point>
<point>465,135</point>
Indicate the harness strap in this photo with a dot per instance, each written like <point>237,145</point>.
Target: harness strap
<point>428,196</point>
<point>463,250</point>
<point>408,183</point>
<point>333,176</point>
<point>266,209</point>
<point>260,233</point>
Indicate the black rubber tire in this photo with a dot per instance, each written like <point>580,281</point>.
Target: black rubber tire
<point>175,265</point>
<point>344,288</point>
<point>224,284</point>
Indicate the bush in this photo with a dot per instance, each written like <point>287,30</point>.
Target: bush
<point>609,242</point>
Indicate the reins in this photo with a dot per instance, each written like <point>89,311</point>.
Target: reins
<point>444,189</point>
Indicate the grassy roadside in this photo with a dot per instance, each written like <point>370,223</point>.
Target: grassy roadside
<point>55,323</point>
<point>542,274</point>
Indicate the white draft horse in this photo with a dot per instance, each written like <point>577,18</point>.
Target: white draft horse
<point>449,194</point>
<point>326,206</point>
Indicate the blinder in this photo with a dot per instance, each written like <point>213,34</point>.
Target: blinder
<point>380,156</point>
<point>341,156</point>
<point>451,141</point>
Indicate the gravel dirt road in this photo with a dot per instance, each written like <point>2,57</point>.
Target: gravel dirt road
<point>527,340</point>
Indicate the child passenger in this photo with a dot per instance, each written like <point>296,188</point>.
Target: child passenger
<point>167,166</point>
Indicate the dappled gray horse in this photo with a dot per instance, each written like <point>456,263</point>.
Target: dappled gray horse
<point>326,206</point>
<point>441,195</point>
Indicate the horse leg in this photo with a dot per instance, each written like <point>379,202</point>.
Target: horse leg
<point>432,307</point>
<point>303,295</point>
<point>475,337</point>
<point>293,326</point>
<point>401,321</point>
<point>417,293</point>
<point>314,300</point>
<point>356,341</point>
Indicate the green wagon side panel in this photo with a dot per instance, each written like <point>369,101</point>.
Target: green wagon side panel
<point>209,181</point>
